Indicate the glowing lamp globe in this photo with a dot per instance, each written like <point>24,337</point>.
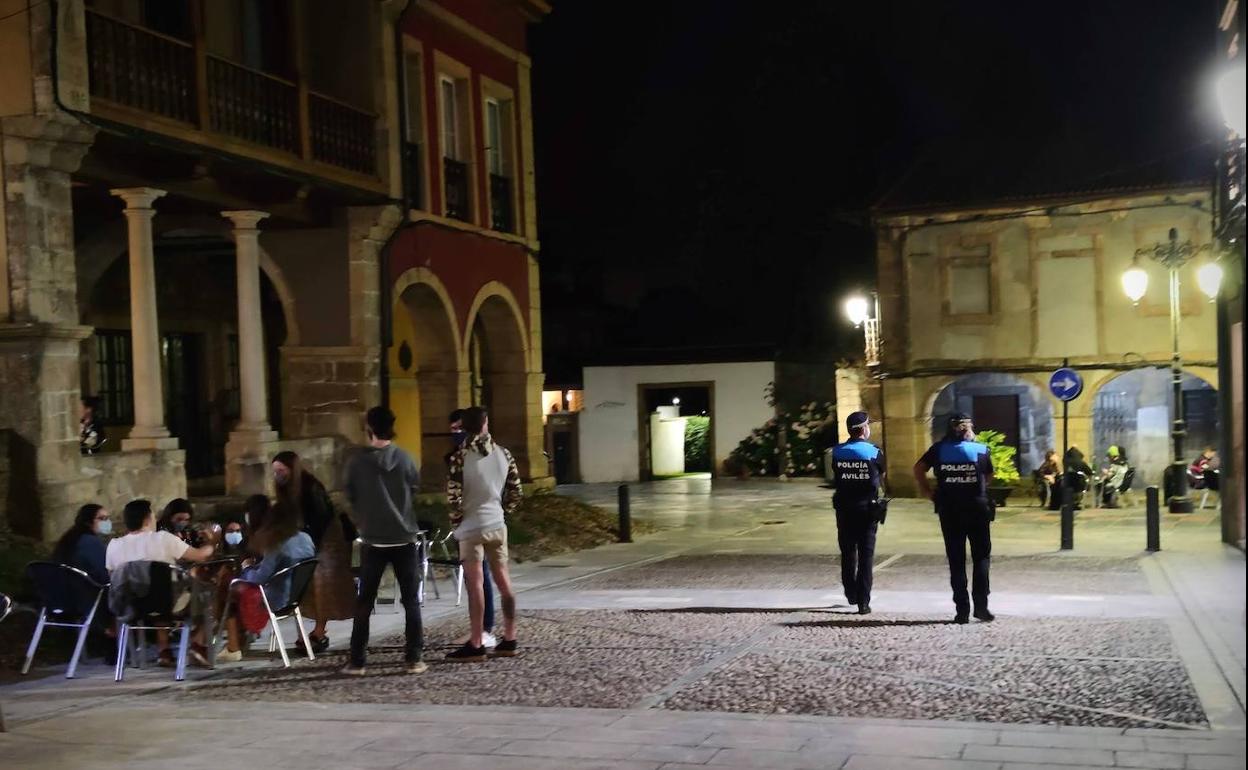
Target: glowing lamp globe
<point>1231,100</point>
<point>856,310</point>
<point>1135,283</point>
<point>1209,278</point>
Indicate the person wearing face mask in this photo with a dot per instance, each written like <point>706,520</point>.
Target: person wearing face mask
<point>177,518</point>
<point>232,539</point>
<point>858,471</point>
<point>82,547</point>
<point>458,437</point>
<point>963,470</point>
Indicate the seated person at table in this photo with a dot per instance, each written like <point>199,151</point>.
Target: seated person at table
<point>1204,470</point>
<point>82,547</point>
<point>177,518</point>
<point>142,542</point>
<point>280,543</point>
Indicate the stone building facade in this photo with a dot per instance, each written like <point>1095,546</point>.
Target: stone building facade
<point>979,304</point>
<point>204,206</point>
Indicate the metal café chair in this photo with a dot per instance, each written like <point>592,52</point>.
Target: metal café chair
<point>445,560</point>
<point>153,612</point>
<point>68,598</point>
<point>300,576</point>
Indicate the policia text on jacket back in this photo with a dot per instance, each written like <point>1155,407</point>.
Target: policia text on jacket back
<point>963,471</point>
<point>857,469</point>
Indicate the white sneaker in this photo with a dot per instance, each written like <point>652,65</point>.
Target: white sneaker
<point>225,656</point>
<point>489,640</point>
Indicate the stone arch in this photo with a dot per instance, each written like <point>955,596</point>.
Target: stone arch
<point>496,357</point>
<point>1133,410</point>
<point>97,253</point>
<point>1014,404</point>
<point>426,379</point>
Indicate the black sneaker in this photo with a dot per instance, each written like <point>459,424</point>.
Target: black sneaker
<point>962,618</point>
<point>864,609</point>
<point>505,649</point>
<point>851,598</point>
<point>467,654</point>
<point>983,614</point>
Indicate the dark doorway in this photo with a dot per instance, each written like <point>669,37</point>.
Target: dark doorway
<point>563,457</point>
<point>185,409</point>
<point>694,400</point>
<point>1200,415</point>
<point>999,413</point>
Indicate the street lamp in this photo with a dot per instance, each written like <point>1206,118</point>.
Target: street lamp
<point>858,309</point>
<point>1173,255</point>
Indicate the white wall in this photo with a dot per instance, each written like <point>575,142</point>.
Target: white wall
<point>608,423</point>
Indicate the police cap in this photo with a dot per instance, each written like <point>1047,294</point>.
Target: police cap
<point>856,420</point>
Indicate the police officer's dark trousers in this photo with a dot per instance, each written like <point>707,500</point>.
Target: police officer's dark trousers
<point>855,532</point>
<point>959,524</point>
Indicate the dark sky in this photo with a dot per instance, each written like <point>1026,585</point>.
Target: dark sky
<point>704,167</point>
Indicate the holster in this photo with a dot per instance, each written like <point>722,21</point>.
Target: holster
<point>878,509</point>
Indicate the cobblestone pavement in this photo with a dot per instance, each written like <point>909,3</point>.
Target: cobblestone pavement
<point>724,641</point>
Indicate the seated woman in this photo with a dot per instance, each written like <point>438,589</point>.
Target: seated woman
<point>82,547</point>
<point>1113,477</point>
<point>1047,476</point>
<point>177,518</point>
<point>280,543</point>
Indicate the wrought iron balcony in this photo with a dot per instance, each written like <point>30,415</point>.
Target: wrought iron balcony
<point>455,179</point>
<point>501,212</point>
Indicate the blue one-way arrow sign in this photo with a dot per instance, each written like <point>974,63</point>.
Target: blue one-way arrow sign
<point>1065,384</point>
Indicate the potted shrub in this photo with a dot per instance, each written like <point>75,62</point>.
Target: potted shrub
<point>1005,477</point>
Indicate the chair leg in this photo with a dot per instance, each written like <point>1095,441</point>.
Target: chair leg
<point>34,640</point>
<point>123,640</point>
<point>140,648</point>
<point>459,584</point>
<point>272,643</point>
<point>277,640</point>
<point>303,634</point>
<point>82,640</point>
<point>184,641</point>
<point>433,580</point>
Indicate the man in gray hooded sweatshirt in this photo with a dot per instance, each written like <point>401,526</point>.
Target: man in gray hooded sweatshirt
<point>380,483</point>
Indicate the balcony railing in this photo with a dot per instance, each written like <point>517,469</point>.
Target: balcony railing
<point>252,106</point>
<point>501,218</point>
<point>458,202</point>
<point>139,68</point>
<point>144,70</point>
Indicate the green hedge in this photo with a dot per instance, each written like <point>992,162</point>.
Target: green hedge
<point>804,430</point>
<point>697,444</point>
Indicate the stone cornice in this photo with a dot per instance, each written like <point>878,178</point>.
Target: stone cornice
<point>18,331</point>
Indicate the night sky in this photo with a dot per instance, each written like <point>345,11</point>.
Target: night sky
<point>705,169</point>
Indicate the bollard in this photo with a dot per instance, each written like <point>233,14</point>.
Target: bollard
<point>1068,518</point>
<point>626,515</point>
<point>1152,518</point>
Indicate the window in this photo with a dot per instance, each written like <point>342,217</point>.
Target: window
<point>970,291</point>
<point>450,119</point>
<point>113,378</point>
<point>414,141</point>
<point>494,137</point>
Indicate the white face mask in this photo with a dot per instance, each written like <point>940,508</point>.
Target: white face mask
<point>104,527</point>
<point>233,538</point>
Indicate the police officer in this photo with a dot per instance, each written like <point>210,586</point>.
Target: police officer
<point>857,469</point>
<point>963,471</point>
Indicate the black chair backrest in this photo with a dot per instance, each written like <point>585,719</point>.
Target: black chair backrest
<point>1127,480</point>
<point>64,591</point>
<point>158,604</point>
<point>300,576</point>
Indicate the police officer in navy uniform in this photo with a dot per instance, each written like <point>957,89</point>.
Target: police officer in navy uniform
<point>857,469</point>
<point>963,472</point>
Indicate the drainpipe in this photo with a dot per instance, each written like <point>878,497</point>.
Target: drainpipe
<point>385,290</point>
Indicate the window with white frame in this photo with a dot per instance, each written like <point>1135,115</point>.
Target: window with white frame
<point>452,128</point>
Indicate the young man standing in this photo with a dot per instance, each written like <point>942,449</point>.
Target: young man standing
<point>483,488</point>
<point>380,484</point>
<point>458,437</point>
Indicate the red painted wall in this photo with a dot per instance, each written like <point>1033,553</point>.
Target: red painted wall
<point>464,262</point>
<point>497,18</point>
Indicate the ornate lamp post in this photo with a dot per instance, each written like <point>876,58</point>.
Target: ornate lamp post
<point>861,312</point>
<point>1173,255</point>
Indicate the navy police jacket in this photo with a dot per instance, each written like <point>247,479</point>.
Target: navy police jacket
<point>962,471</point>
<point>857,466</point>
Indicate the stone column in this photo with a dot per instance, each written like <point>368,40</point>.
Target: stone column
<point>252,386</point>
<point>149,430</point>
